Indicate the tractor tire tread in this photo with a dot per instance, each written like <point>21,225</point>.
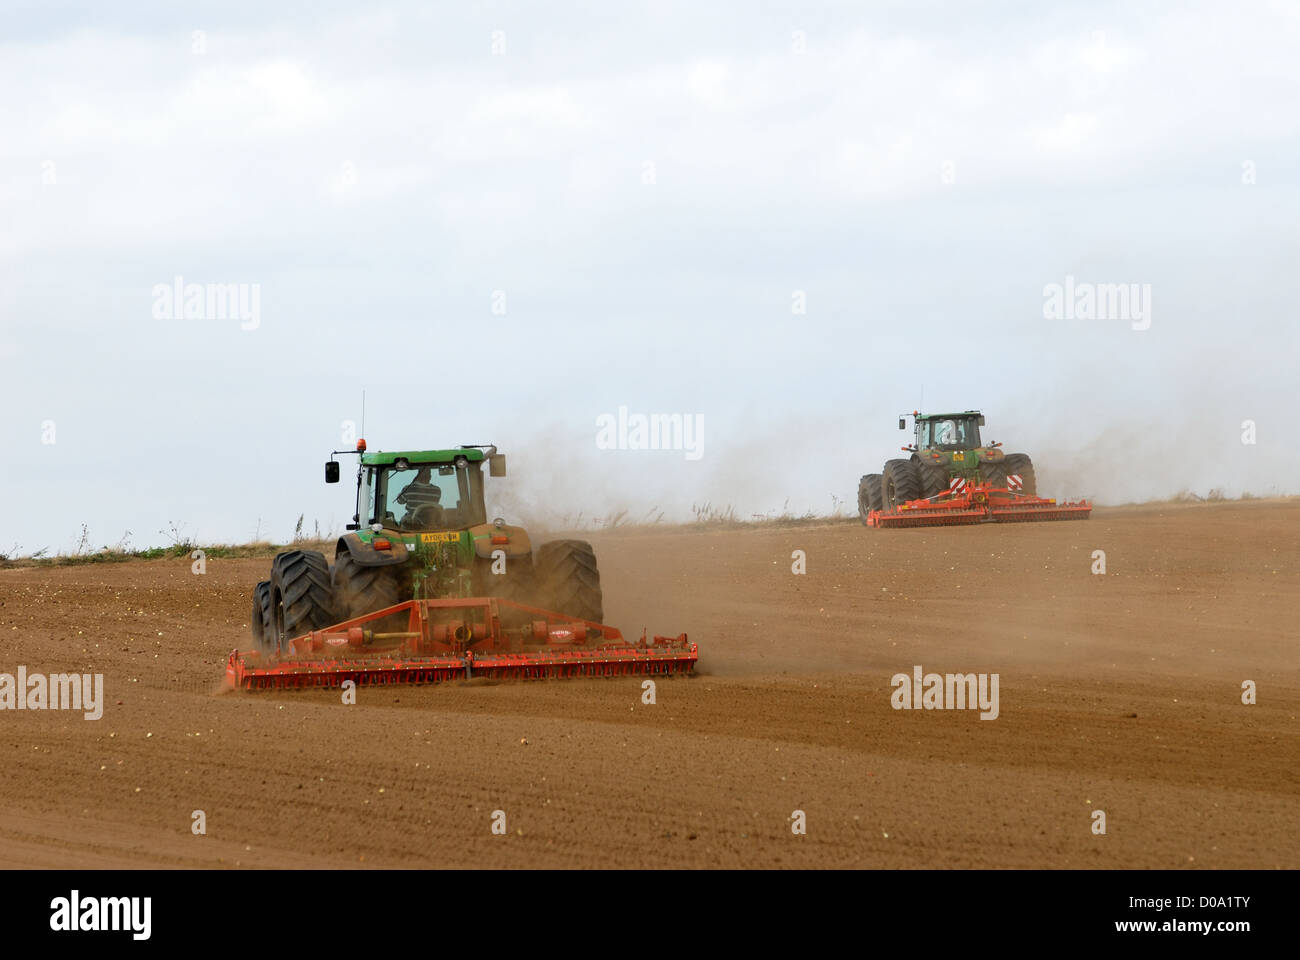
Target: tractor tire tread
<point>302,579</point>
<point>568,580</point>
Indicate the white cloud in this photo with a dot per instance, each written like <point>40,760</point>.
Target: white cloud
<point>1072,132</point>
<point>708,83</point>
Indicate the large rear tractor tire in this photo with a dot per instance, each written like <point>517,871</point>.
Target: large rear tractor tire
<point>1019,464</point>
<point>518,582</point>
<point>359,590</point>
<point>870,495</point>
<point>934,479</point>
<point>994,473</point>
<point>567,579</point>
<point>259,619</point>
<point>302,598</point>
<point>901,483</point>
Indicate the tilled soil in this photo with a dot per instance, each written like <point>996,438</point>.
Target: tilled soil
<point>1119,693</point>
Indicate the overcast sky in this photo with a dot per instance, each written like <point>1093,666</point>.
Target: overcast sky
<point>503,220</point>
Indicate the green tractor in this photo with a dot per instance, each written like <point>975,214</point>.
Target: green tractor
<point>421,532</point>
<point>946,454</point>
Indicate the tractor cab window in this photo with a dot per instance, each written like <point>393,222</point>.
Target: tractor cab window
<point>428,496</point>
<point>960,433</point>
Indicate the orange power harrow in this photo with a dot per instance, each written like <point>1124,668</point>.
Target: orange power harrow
<point>977,503</point>
<point>454,640</point>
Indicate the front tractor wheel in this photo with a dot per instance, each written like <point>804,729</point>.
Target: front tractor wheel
<point>901,483</point>
<point>302,598</point>
<point>567,579</point>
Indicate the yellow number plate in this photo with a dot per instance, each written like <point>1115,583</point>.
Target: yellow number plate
<point>450,536</point>
<point>959,456</point>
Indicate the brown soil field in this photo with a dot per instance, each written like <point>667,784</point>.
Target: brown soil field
<point>1119,692</point>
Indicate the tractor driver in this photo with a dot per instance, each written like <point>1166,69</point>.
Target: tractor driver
<point>945,432</point>
<point>422,501</point>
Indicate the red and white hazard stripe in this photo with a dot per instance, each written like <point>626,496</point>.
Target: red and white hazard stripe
<point>1015,482</point>
<point>956,485</point>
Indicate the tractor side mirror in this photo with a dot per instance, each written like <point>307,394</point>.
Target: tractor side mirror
<point>902,423</point>
<point>981,421</point>
<point>497,465</point>
<point>332,472</point>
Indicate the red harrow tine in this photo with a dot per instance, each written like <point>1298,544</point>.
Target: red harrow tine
<point>923,517</point>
